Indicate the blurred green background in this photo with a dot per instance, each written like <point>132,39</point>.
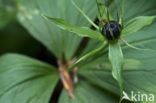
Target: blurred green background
<point>16,39</point>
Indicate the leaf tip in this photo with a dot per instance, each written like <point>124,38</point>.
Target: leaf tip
<point>44,16</point>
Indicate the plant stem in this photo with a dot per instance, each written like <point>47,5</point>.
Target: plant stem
<point>104,45</point>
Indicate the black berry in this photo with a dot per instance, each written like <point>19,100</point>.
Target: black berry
<point>111,30</point>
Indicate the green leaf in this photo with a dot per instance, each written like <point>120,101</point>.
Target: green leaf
<point>140,8</point>
<point>116,59</point>
<point>144,38</point>
<point>56,40</point>
<point>101,78</point>
<point>80,31</point>
<point>136,24</point>
<point>142,78</point>
<point>100,71</point>
<point>133,8</point>
<point>26,80</point>
<point>85,92</point>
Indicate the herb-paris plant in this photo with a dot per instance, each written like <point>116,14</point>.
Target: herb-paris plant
<point>111,35</point>
<point>33,81</point>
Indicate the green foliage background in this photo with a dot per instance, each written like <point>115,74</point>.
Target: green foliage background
<point>27,80</point>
